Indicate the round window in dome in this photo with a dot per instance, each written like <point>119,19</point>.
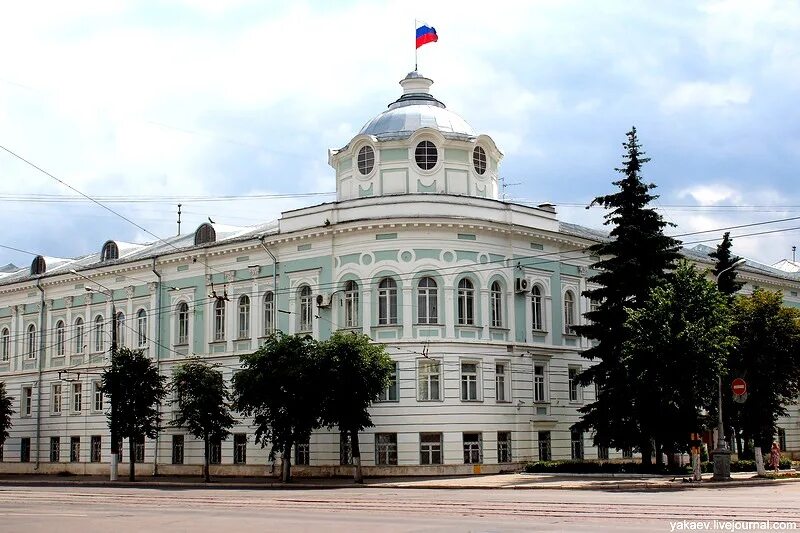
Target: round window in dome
<point>426,155</point>
<point>366,160</point>
<point>479,160</point>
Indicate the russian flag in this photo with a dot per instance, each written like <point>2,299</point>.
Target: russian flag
<point>426,34</point>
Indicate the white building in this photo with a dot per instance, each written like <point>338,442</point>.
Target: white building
<point>473,296</point>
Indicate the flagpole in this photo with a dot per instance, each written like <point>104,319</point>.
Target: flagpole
<point>415,45</point>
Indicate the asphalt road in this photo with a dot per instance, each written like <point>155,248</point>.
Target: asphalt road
<point>122,510</point>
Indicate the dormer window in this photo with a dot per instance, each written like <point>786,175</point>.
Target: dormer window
<point>110,251</point>
<point>426,155</point>
<point>38,266</point>
<point>366,160</point>
<point>479,160</point>
<point>205,234</point>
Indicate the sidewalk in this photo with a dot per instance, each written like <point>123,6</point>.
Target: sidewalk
<point>489,481</point>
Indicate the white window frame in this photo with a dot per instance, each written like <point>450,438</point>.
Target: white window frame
<point>504,447</point>
<point>79,335</point>
<point>429,372</point>
<point>573,385</point>
<point>569,312</point>
<point>502,381</point>
<point>98,399</point>
<point>537,308</point>
<point>120,324</point>
<point>429,449</point>
<point>99,334</point>
<point>386,395</point>
<point>470,382</point>
<point>386,449</point>
<point>5,349</point>
<point>26,402</point>
<point>545,446</point>
<point>30,340</point>
<point>351,305</point>
<point>577,452</point>
<point>427,301</point>
<point>466,302</point>
<point>387,302</point>
<point>540,386</point>
<point>56,399</point>
<point>305,310</point>
<point>141,328</point>
<point>76,397</point>
<point>182,330</point>
<point>269,313</point>
<point>243,316</point>
<point>219,320</point>
<point>473,450</point>
<point>496,304</point>
<point>61,339</point>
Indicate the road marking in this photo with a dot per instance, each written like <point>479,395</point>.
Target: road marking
<point>70,515</point>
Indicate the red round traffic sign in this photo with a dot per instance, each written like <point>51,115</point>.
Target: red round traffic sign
<point>739,386</point>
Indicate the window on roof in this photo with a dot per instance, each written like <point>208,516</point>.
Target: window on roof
<point>426,155</point>
<point>205,234</point>
<point>366,160</point>
<point>479,160</point>
<point>38,266</point>
<point>110,251</point>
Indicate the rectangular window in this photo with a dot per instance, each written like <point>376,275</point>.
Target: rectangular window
<point>96,449</point>
<point>351,313</point>
<point>239,448</point>
<point>503,446</point>
<point>177,449</point>
<point>428,382</point>
<point>574,388</point>
<point>602,453</point>
<point>501,382</point>
<point>55,399</point>
<point>77,397</point>
<point>219,320</point>
<point>469,382</point>
<point>302,453</point>
<point>430,448</point>
<point>539,383</point>
<point>386,448</point>
<point>138,449</point>
<point>390,393</point>
<point>25,450</point>
<point>576,440</point>
<point>27,400</point>
<point>98,396</point>
<point>345,453</point>
<point>473,449</point>
<point>545,446</point>
<point>74,449</point>
<point>55,449</point>
<point>215,451</point>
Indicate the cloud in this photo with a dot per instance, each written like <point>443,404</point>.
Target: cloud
<point>707,95</point>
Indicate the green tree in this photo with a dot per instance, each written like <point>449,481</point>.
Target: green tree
<point>677,344</point>
<point>136,387</point>
<point>202,401</point>
<point>5,413</point>
<point>636,258</point>
<point>357,372</point>
<point>280,386</point>
<point>768,358</point>
<point>724,261</point>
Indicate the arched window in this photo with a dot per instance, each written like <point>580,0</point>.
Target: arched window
<point>183,324</point>
<point>38,266</point>
<point>269,313</point>
<point>304,309</point>
<point>536,309</point>
<point>351,305</point>
<point>466,302</point>
<point>6,344</point>
<point>569,312</point>
<point>219,320</point>
<point>496,303</point>
<point>141,328</point>
<point>31,352</point>
<point>79,342</point>
<point>61,339</point>
<point>99,339</point>
<point>205,234</point>
<point>244,317</point>
<point>426,155</point>
<point>479,160</point>
<point>120,328</point>
<point>387,301</point>
<point>110,251</point>
<point>427,301</point>
<point>366,160</point>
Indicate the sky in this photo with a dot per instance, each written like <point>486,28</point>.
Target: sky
<point>146,104</point>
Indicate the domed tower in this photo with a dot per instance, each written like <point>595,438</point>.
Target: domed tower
<point>416,146</point>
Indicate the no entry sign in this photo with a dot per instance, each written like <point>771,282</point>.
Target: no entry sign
<point>739,386</point>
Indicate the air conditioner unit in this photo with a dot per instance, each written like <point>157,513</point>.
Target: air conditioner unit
<point>324,300</point>
<point>522,285</point>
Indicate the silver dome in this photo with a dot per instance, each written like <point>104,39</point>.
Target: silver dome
<point>416,109</point>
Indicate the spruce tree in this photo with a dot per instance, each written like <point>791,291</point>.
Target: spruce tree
<point>726,282</point>
<point>636,258</point>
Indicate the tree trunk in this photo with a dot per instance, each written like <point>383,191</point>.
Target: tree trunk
<point>645,449</point>
<point>358,475</point>
<point>286,463</point>
<point>206,460</point>
<point>760,462</point>
<point>659,455</point>
<point>131,459</point>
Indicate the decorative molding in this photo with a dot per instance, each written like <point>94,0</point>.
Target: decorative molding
<point>255,271</point>
<point>129,291</point>
<point>151,286</point>
<point>230,275</point>
<point>68,301</point>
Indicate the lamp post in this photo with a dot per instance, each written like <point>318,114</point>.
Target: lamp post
<point>722,453</point>
<point>114,437</point>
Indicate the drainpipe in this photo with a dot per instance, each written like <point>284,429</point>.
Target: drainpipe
<point>42,312</point>
<point>158,353</point>
<point>274,283</point>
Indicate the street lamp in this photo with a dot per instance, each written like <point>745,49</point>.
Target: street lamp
<point>114,438</point>
<point>722,453</point>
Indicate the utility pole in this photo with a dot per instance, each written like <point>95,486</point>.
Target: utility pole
<point>114,396</point>
<point>179,220</point>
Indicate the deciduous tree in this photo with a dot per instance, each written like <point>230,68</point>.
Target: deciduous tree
<point>5,413</point>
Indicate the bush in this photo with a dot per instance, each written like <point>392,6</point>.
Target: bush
<point>600,467</point>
